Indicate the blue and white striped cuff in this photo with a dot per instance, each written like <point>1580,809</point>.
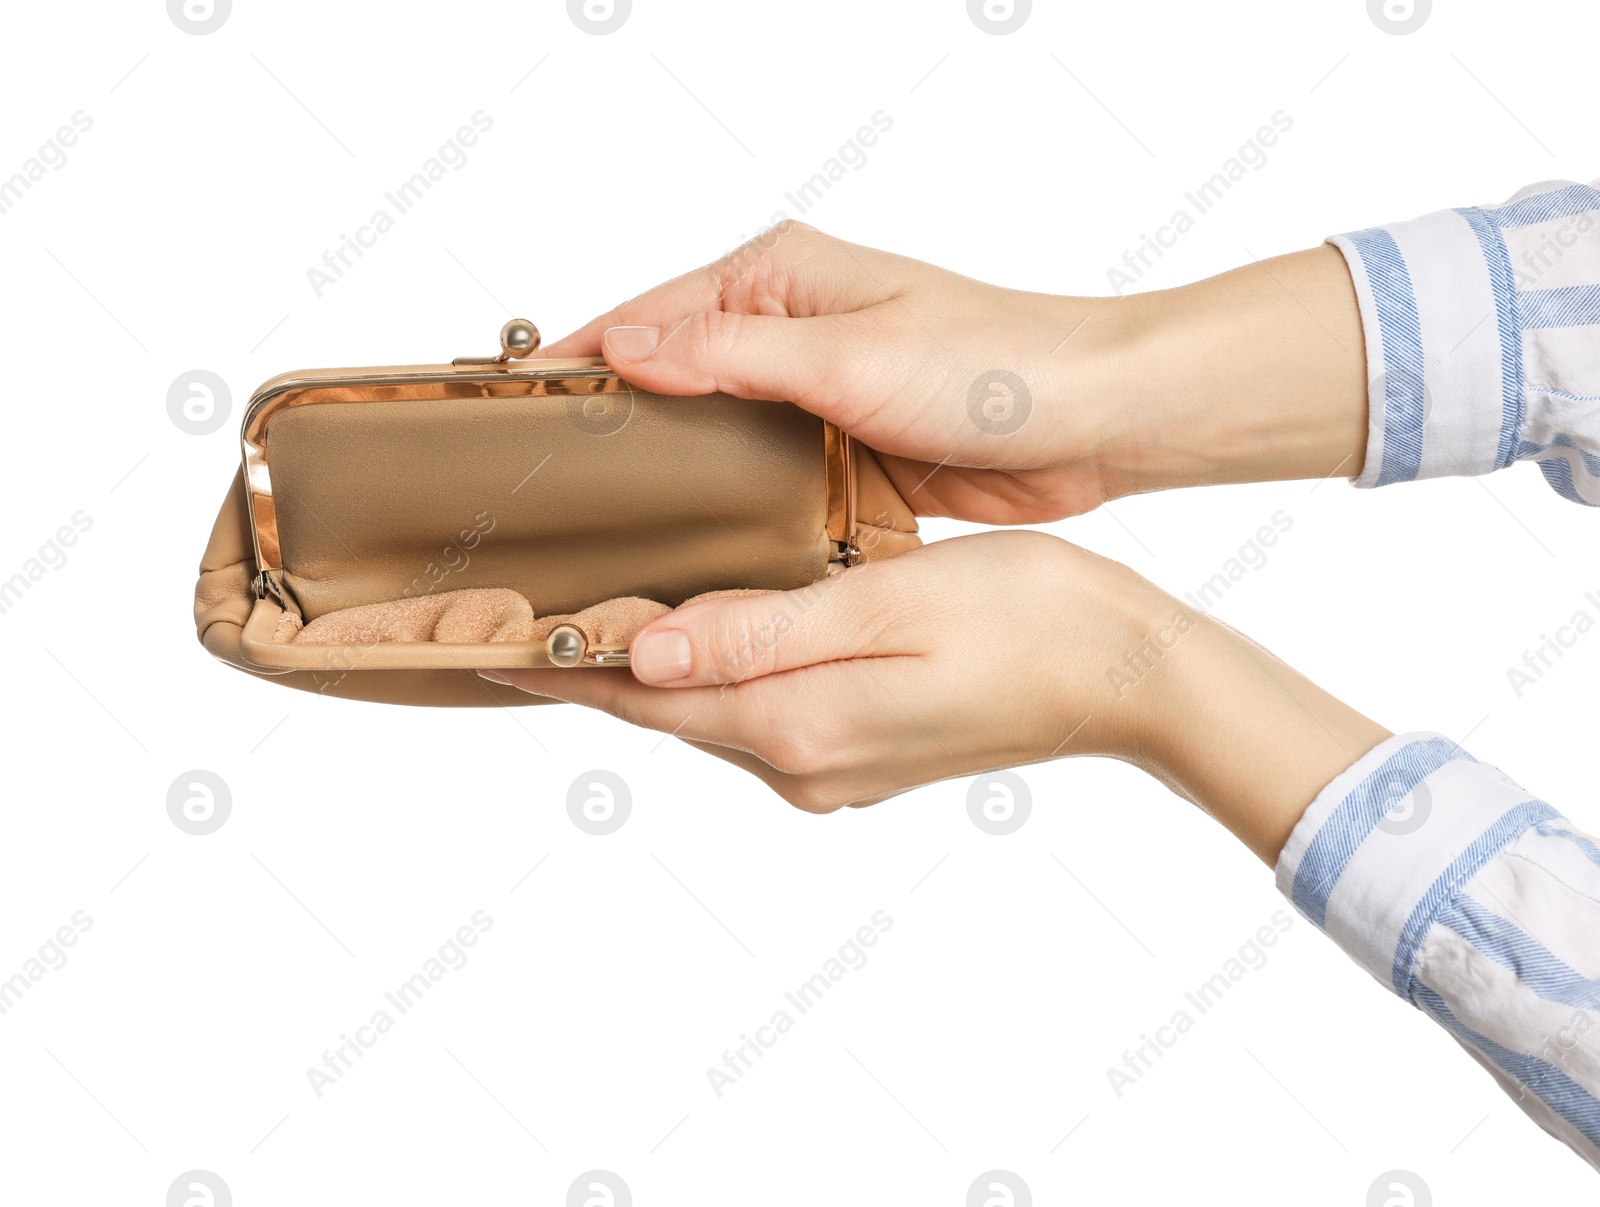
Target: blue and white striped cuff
<point>1440,324</point>
<point>1391,841</point>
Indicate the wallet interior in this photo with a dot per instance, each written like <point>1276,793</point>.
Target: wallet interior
<point>456,532</point>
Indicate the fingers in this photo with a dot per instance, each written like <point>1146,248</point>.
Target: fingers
<point>994,496</point>
<point>789,270</point>
<point>784,785</point>
<point>742,727</point>
<point>699,289</point>
<point>711,714</point>
<point>805,771</point>
<point>806,793</point>
<point>746,355</point>
<point>859,613</point>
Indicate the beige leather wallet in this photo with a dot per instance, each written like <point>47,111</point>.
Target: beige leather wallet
<point>394,528</point>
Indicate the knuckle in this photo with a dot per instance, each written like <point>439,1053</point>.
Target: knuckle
<point>1028,554</point>
<point>886,624</point>
<point>714,337</point>
<point>843,370</point>
<point>725,329</point>
<point>792,229</point>
<point>754,273</point>
<point>756,257</point>
<point>806,751</point>
<point>792,752</point>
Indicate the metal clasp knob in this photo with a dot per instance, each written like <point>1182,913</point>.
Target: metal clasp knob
<point>519,339</point>
<point>566,645</point>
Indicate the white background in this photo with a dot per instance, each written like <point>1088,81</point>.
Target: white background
<point>178,235</point>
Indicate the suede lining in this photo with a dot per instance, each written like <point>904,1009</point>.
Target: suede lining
<point>476,614</point>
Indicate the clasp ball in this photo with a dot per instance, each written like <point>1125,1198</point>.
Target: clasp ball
<point>566,645</point>
<point>519,339</point>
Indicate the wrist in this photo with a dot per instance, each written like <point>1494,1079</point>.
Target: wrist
<point>1114,645</point>
<point>1245,736</point>
<point>1255,375</point>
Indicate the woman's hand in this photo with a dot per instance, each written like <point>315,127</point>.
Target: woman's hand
<point>979,652</point>
<point>971,654</point>
<point>1004,407</point>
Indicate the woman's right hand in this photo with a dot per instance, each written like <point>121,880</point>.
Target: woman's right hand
<point>1004,407</point>
<point>975,653</point>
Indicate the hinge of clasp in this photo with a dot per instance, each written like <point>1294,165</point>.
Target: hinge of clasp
<point>264,585</point>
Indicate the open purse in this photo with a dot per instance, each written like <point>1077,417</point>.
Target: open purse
<point>393,529</point>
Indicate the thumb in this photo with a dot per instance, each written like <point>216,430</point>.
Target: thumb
<point>851,614</point>
<point>746,355</point>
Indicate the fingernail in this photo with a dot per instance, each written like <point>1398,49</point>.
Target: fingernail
<point>494,677</point>
<point>661,656</point>
<point>631,343</point>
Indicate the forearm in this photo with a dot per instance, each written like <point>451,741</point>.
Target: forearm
<point>1244,736</point>
<point>1255,375</point>
<point>1456,343</point>
<point>1443,878</point>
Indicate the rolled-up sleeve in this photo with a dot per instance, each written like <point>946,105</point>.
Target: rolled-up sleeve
<point>1482,333</point>
<point>1465,895</point>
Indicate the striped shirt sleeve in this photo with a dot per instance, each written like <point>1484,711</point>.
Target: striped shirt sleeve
<point>1482,332</point>
<point>1476,902</point>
